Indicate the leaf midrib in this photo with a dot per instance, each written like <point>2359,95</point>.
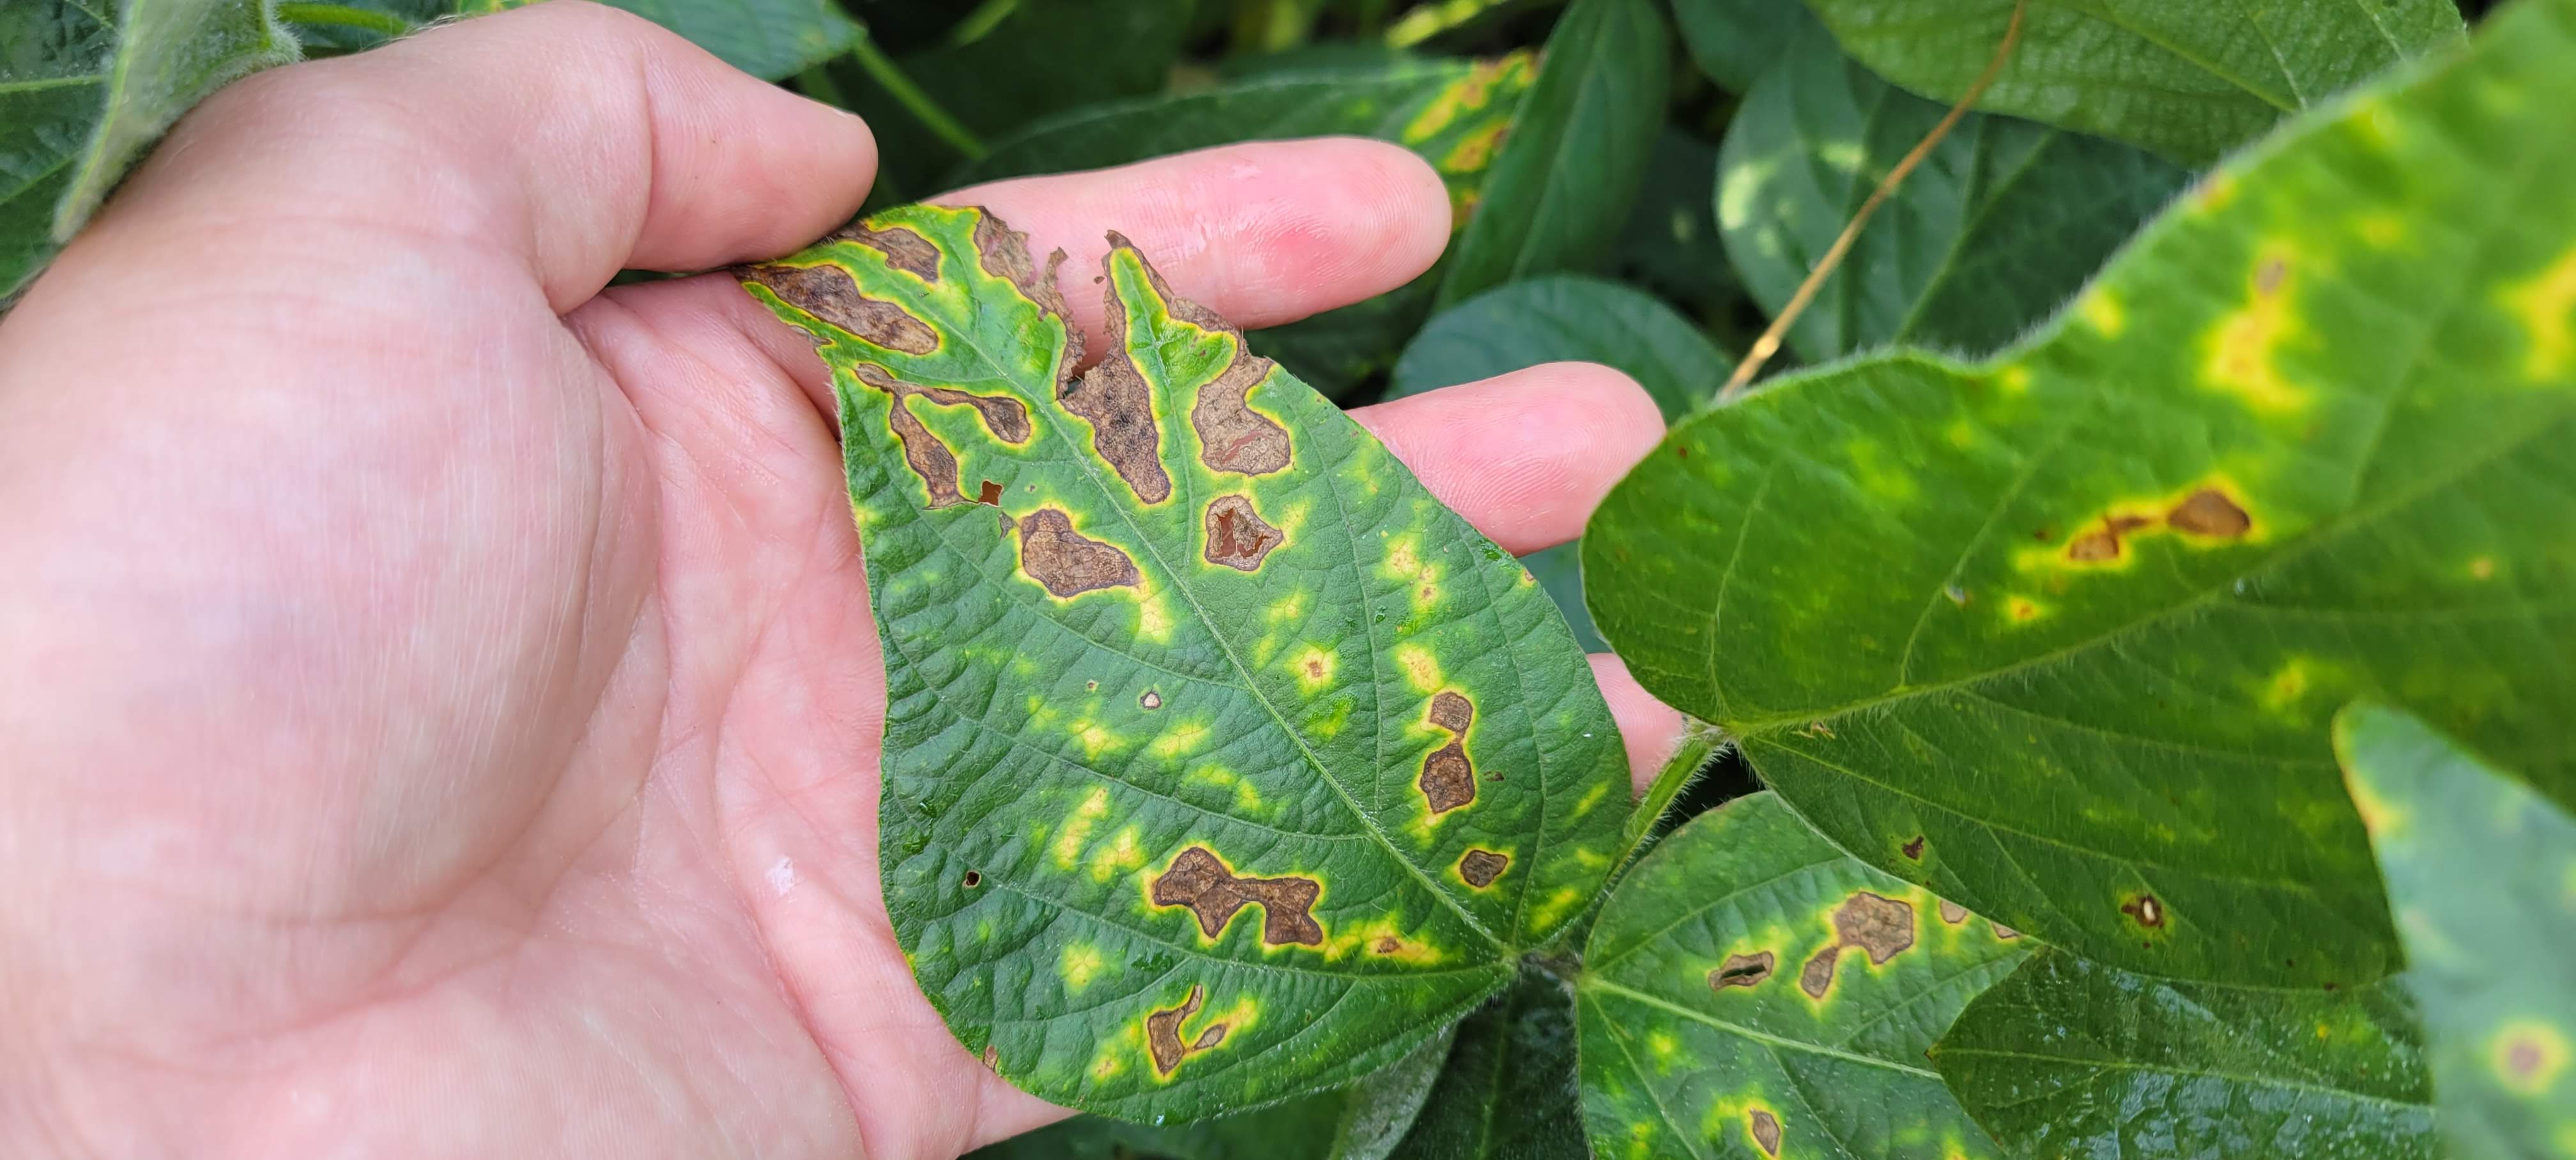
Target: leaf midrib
<point>1594,982</point>
<point>1946,1052</point>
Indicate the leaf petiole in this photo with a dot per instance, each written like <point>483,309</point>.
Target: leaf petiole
<point>346,16</point>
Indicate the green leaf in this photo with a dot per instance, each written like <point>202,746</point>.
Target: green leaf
<point>86,87</point>
<point>1559,318</point>
<point>769,39</point>
<point>1735,41</point>
<point>1566,318</point>
<point>1577,149</point>
<point>2001,222</point>
<point>2190,79</point>
<point>1508,1092</point>
<point>2482,875</point>
<point>1222,763</point>
<point>1750,991</point>
<point>2071,1058</point>
<point>1360,1122</point>
<point>1670,243</point>
<point>2074,619</point>
<point>1453,113</point>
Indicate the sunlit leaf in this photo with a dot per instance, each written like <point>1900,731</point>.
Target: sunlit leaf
<point>86,87</point>
<point>2070,1058</point>
<point>2187,78</point>
<point>1750,991</point>
<point>1222,762</point>
<point>2482,874</point>
<point>1997,226</point>
<point>2058,634</point>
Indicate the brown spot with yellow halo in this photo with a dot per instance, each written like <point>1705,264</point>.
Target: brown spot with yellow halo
<point>1879,926</point>
<point>1199,880</point>
<point>1481,867</point>
<point>1237,536</point>
<point>1448,778</point>
<point>1163,1033</point>
<point>1067,562</point>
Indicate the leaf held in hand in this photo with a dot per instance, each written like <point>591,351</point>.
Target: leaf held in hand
<point>2075,618</point>
<point>1222,761</point>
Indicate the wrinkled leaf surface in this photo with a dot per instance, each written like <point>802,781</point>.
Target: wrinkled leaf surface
<point>2059,634</point>
<point>1222,762</point>
<point>1750,991</point>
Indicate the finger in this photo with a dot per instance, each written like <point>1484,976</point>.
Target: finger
<point>1524,456</point>
<point>571,137</point>
<point>1650,729</point>
<point>1261,233</point>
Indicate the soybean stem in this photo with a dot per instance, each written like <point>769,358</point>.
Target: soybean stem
<point>345,16</point>
<point>890,77</point>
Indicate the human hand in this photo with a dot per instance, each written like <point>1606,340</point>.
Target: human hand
<point>441,709</point>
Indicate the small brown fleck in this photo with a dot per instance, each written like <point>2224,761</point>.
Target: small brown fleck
<point>990,494</point>
<point>1882,926</point>
<point>1766,1131</point>
<point>2208,512</point>
<point>1067,562</point>
<point>992,1057</point>
<point>1817,977</point>
<point>974,879</point>
<point>1091,686</point>
<point>1151,700</point>
<point>2103,543</point>
<point>1914,849</point>
<point>1448,778</point>
<point>1237,536</point>
<point>2005,933</point>
<point>903,249</point>
<point>2268,276</point>
<point>1163,1033</point>
<point>2145,909</point>
<point>1953,913</point>
<point>829,293</point>
<point>1681,451</point>
<point>1741,971</point>
<point>1315,669</point>
<point>1820,729</point>
<point>1388,944</point>
<point>1481,867</point>
<point>1199,881</point>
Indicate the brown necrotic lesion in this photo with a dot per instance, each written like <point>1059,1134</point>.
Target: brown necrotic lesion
<point>1199,880</point>
<point>1741,970</point>
<point>903,249</point>
<point>1232,436</point>
<point>1067,562</point>
<point>829,293</point>
<point>1005,418</point>
<point>1448,778</point>
<point>1237,536</point>
<point>1879,926</point>
<point>1163,1033</point>
<point>1481,867</point>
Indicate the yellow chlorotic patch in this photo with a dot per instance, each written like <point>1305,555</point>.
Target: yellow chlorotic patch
<point>1380,938</point>
<point>1183,738</point>
<point>1104,1064</point>
<point>2023,609</point>
<point>1077,828</point>
<point>1402,561</point>
<point>1960,433</point>
<point>2014,379</point>
<point>1327,725</point>
<point>1662,1045</point>
<point>2482,568</point>
<point>1591,797</point>
<point>2212,194</point>
<point>2528,1056</point>
<point>1154,619</point>
<point>1554,908</point>
<point>1292,518</point>
<point>984,931</point>
<point>2102,311</point>
<point>1082,963</point>
<point>1121,853</point>
<point>1313,667</point>
<point>1247,798</point>
<point>1212,775</point>
<point>1475,151</point>
<point>1471,92</point>
<point>1288,607</point>
<point>2372,124</point>
<point>1869,463</point>
<point>1589,858</point>
<point>2546,308</point>
<point>2289,684</point>
<point>1421,669</point>
<point>2241,352</point>
<point>1096,738</point>
<point>2382,230</point>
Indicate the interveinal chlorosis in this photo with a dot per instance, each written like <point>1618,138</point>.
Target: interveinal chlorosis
<point>1222,762</point>
<point>2058,634</point>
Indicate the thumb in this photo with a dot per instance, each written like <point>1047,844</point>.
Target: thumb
<point>575,138</point>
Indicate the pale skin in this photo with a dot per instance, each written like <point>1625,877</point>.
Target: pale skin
<point>438,704</point>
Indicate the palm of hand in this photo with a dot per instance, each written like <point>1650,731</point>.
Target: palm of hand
<point>464,731</point>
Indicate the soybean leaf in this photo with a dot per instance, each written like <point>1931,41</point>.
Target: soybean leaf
<point>1222,762</point>
<point>2071,1058</point>
<point>2190,79</point>
<point>2073,620</point>
<point>1577,149</point>
<point>2001,222</point>
<point>2482,874</point>
<point>1453,113</point>
<point>1561,318</point>
<point>1508,1092</point>
<point>1670,243</point>
<point>1750,991</point>
<point>1360,1122</point>
<point>331,29</point>
<point>767,38</point>
<point>1565,317</point>
<point>86,87</point>
<point>1735,41</point>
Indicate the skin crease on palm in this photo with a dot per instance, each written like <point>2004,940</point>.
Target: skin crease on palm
<point>439,700</point>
